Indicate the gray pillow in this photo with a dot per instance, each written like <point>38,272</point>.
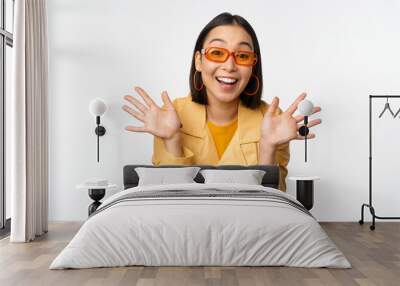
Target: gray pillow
<point>249,177</point>
<point>162,176</point>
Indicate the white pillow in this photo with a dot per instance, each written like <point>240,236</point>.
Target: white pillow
<point>249,177</point>
<point>162,176</point>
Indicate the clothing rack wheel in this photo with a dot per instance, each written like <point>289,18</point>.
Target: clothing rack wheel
<point>372,211</point>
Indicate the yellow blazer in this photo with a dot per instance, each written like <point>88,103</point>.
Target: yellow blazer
<point>198,145</point>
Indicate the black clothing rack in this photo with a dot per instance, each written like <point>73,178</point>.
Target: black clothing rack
<point>369,205</point>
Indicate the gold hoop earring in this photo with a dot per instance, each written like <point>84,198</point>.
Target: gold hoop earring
<point>194,82</point>
<point>258,86</point>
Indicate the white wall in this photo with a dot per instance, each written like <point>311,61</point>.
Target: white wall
<point>337,51</point>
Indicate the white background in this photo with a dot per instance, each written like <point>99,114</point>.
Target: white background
<point>339,52</point>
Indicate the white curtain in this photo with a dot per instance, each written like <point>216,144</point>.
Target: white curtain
<point>28,158</point>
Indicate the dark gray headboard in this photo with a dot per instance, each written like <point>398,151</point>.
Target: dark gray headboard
<point>270,179</point>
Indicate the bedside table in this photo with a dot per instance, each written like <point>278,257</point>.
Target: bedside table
<point>305,190</point>
<point>96,193</point>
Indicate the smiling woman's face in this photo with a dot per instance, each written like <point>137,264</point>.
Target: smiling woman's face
<point>233,38</point>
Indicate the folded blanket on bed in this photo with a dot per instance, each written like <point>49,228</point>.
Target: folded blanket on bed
<point>201,224</point>
<point>206,194</point>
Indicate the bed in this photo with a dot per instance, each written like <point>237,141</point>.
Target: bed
<point>201,224</point>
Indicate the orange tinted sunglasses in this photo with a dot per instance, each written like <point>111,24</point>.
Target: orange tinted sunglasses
<point>221,55</point>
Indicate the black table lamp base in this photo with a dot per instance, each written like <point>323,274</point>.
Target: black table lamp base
<point>305,193</point>
<point>96,195</point>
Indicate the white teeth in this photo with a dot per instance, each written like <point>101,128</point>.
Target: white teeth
<point>226,79</point>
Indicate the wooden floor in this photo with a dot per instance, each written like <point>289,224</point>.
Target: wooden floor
<point>374,255</point>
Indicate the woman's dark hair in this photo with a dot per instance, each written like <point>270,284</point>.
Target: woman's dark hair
<point>251,101</point>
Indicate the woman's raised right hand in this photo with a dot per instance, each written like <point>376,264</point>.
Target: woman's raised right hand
<point>162,122</point>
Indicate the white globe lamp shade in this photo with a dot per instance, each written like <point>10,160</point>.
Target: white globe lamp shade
<point>97,107</point>
<point>305,107</point>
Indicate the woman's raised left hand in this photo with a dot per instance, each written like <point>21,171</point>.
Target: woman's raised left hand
<point>282,128</point>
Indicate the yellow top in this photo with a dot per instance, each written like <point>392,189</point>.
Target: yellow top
<point>222,135</point>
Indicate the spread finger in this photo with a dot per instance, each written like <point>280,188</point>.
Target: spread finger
<point>134,113</point>
<point>136,103</point>
<point>149,101</point>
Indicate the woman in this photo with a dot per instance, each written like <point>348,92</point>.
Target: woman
<point>223,119</point>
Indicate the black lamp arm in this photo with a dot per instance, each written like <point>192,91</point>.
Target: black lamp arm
<point>303,131</point>
<point>100,131</point>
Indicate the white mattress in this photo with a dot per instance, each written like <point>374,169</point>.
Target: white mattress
<point>200,231</point>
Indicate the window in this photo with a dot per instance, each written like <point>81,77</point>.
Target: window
<point>6,44</point>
